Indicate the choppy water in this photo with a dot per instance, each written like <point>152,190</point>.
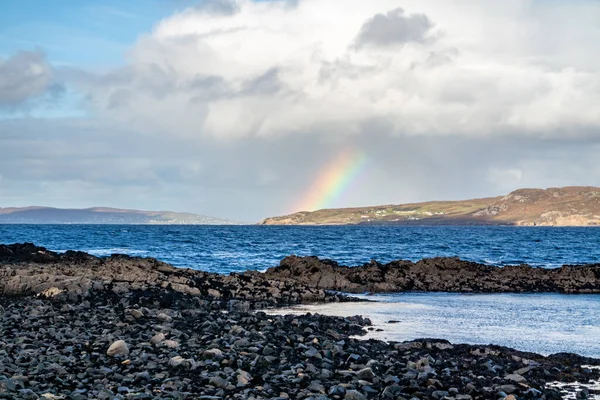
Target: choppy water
<point>540,323</point>
<point>543,323</point>
<point>236,248</point>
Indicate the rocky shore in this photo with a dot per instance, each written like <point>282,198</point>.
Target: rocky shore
<point>442,274</point>
<point>26,269</point>
<point>141,345</point>
<point>74,326</point>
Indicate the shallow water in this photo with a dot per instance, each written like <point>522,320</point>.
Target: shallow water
<point>543,323</point>
<point>227,249</point>
<point>540,323</point>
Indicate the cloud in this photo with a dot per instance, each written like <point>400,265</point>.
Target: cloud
<point>270,70</point>
<point>224,7</point>
<point>82,163</point>
<point>394,28</point>
<point>236,113</point>
<point>24,76</point>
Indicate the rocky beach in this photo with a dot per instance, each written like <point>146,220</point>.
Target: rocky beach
<point>75,326</point>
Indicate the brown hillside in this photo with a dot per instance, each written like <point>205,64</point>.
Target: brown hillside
<point>568,206</point>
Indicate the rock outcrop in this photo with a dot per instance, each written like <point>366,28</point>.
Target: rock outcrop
<point>26,269</point>
<point>435,275</point>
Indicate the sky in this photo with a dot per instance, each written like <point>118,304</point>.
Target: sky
<point>246,109</point>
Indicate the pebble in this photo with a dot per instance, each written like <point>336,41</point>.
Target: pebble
<point>118,348</point>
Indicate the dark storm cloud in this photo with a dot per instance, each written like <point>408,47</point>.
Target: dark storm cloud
<point>394,28</point>
<point>24,76</point>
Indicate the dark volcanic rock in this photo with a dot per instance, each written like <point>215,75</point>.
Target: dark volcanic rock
<point>123,327</point>
<point>435,275</point>
<point>27,269</point>
<point>57,348</point>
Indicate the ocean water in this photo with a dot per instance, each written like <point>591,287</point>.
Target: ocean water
<point>540,323</point>
<point>228,249</point>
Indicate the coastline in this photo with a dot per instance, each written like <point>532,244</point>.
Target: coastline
<point>64,317</point>
<point>536,322</point>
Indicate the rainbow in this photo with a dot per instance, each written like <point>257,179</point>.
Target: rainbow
<point>333,180</point>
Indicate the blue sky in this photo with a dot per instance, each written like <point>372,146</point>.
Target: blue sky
<point>79,33</point>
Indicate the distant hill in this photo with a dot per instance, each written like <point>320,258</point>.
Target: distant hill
<point>103,215</point>
<point>568,206</point>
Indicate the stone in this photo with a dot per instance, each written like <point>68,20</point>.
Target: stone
<point>212,354</point>
<point>439,394</point>
<point>337,390</point>
<point>243,378</point>
<point>515,378</point>
<point>391,392</point>
<point>176,361</point>
<point>219,382</point>
<point>159,337</point>
<point>164,317</point>
<point>354,395</point>
<point>366,374</point>
<point>171,344</point>
<point>508,389</point>
<point>118,348</point>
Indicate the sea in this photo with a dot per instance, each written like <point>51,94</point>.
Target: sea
<point>541,323</point>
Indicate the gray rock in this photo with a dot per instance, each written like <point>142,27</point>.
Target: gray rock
<point>508,389</point>
<point>171,344</point>
<point>337,390</point>
<point>243,378</point>
<point>164,317</point>
<point>515,378</point>
<point>118,348</point>
<point>212,354</point>
<point>159,337</point>
<point>354,395</point>
<point>366,374</point>
<point>391,392</point>
<point>219,382</point>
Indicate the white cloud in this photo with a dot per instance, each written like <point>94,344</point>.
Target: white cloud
<point>490,70</point>
<point>233,108</point>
